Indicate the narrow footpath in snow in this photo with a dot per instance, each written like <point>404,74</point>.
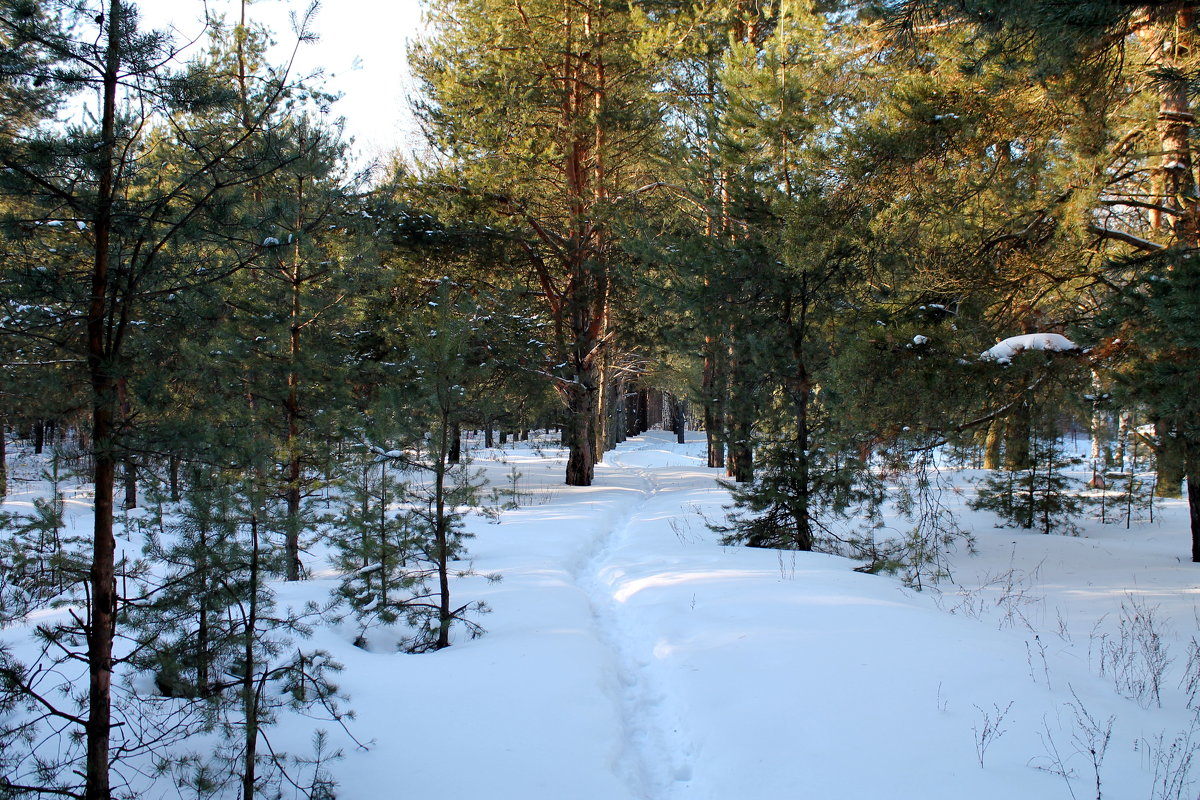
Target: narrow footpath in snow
<point>654,756</point>
<point>631,656</point>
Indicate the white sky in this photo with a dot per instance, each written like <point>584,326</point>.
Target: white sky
<point>360,49</point>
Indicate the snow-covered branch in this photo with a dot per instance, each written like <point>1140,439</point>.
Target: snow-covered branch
<point>1127,238</point>
<point>1003,352</point>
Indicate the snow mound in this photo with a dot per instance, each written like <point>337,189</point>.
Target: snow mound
<point>1003,352</point>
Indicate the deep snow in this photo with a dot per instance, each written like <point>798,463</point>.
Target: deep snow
<point>629,655</point>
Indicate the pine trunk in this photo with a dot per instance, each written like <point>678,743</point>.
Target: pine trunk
<point>441,535</point>
<point>1170,37</point>
<point>292,523</point>
<point>250,704</point>
<point>577,434</point>
<point>1169,462</point>
<point>740,462</point>
<point>1193,493</point>
<point>602,425</point>
<point>130,476</point>
<point>173,477</point>
<point>1016,438</point>
<point>3,461</point>
<point>454,454</point>
<point>991,446</point>
<point>714,412</point>
<point>102,611</point>
<point>803,394</point>
<point>292,490</point>
<point>679,420</point>
<point>203,679</point>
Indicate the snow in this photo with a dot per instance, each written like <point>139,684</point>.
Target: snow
<point>1003,352</point>
<point>919,339</point>
<point>270,241</point>
<point>630,655</point>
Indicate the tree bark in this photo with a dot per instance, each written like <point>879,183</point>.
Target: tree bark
<point>1016,438</point>
<point>293,499</point>
<point>714,411</point>
<point>3,461</point>
<point>1121,457</point>
<point>991,446</point>
<point>803,394</point>
<point>629,403</point>
<point>739,464</point>
<point>130,479</point>
<point>603,437</point>
<point>203,680</point>
<point>1193,491</point>
<point>454,453</point>
<point>1169,462</point>
<point>1170,37</point>
<point>577,434</point>
<point>679,421</point>
<point>173,477</point>
<point>441,535</point>
<point>102,611</point>
<point>250,703</point>
<point>291,408</point>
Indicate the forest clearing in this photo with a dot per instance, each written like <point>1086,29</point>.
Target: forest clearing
<point>628,654</point>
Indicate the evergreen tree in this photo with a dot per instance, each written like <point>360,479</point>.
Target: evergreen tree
<point>188,638</point>
<point>106,181</point>
<point>38,559</point>
<point>377,548</point>
<point>440,492</point>
<point>796,264</point>
<point>1127,187</point>
<point>1040,497</point>
<point>542,112</point>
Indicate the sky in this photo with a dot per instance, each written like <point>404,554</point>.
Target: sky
<point>361,49</point>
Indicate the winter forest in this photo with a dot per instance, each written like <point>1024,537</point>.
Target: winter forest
<point>728,399</point>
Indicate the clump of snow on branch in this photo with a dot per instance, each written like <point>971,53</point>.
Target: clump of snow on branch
<point>1003,352</point>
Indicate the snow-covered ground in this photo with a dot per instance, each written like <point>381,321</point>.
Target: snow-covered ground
<point>629,655</point>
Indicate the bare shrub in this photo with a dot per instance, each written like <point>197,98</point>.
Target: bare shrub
<point>1137,657</point>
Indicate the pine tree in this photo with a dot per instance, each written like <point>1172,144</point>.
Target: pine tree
<point>107,182</point>
<point>796,262</point>
<point>440,493</point>
<point>188,637</point>
<point>542,111</point>
<point>1039,497</point>
<point>39,559</point>
<point>377,548</point>
<point>1127,190</point>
